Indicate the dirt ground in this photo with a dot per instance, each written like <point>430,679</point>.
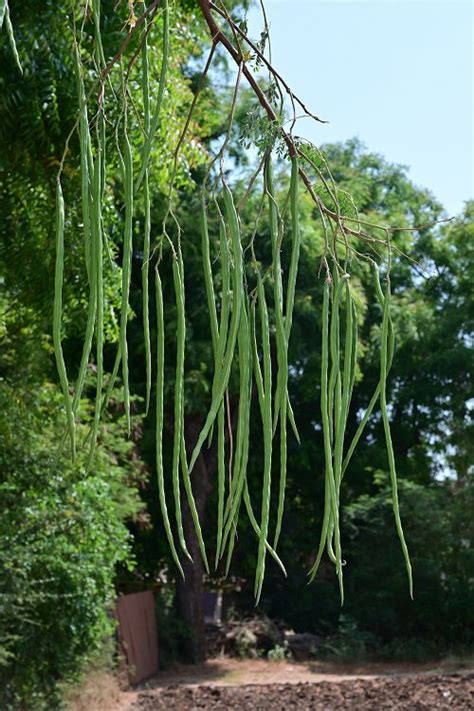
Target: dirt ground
<point>260,685</point>
<point>434,692</point>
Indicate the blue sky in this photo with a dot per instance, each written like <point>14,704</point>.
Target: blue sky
<point>398,74</point>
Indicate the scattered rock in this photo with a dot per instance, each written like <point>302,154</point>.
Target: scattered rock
<point>302,645</point>
<point>253,637</point>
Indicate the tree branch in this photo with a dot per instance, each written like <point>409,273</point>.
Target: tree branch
<point>151,9</point>
<point>267,63</point>
<point>218,37</point>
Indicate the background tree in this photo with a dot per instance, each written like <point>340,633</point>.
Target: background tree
<point>430,383</point>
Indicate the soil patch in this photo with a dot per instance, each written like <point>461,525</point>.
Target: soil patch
<point>426,691</point>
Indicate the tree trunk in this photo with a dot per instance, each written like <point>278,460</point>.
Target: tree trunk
<point>189,592</point>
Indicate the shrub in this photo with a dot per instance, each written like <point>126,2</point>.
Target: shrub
<point>439,528</point>
<point>62,532</point>
<point>279,653</point>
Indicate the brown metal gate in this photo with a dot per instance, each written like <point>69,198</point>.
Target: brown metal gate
<point>137,635</point>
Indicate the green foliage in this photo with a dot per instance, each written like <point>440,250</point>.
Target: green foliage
<point>62,533</point>
<point>170,628</point>
<point>347,642</point>
<point>70,523</point>
<point>279,653</point>
<point>431,411</point>
<point>438,522</point>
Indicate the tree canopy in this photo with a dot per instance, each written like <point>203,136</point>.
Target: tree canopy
<point>155,203</point>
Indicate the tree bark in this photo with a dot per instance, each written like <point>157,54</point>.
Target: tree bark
<point>189,592</point>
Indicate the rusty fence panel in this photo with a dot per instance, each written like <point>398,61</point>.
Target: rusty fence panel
<point>137,635</point>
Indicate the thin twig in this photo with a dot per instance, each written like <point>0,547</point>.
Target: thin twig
<point>126,40</point>
<point>338,221</point>
<point>267,62</point>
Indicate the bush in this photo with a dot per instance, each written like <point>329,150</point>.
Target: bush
<point>62,532</point>
<point>279,653</point>
<point>347,643</point>
<point>439,529</point>
<point>170,628</point>
<point>379,620</point>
